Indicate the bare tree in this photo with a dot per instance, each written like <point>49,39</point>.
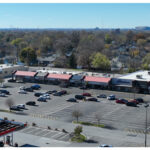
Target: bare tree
<point>9,102</point>
<point>77,114</point>
<point>98,118</point>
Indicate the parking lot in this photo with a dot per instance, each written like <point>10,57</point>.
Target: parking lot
<point>117,116</point>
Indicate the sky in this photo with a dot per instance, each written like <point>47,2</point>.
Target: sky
<point>74,15</point>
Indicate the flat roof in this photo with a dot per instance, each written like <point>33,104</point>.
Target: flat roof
<point>42,74</point>
<point>7,126</point>
<point>96,79</point>
<point>142,75</point>
<point>60,76</point>
<point>3,66</point>
<point>25,73</point>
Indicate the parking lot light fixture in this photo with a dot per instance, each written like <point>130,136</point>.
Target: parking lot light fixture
<point>146,106</point>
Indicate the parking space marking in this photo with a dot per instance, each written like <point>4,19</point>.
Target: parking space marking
<point>43,116</point>
<point>137,131</point>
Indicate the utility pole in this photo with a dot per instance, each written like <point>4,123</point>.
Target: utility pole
<point>146,106</point>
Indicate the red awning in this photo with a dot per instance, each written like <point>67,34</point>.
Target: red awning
<point>60,76</point>
<point>96,79</point>
<point>25,73</point>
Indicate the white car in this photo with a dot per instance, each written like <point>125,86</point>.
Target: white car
<point>46,97</point>
<point>22,92</point>
<point>2,95</point>
<point>22,88</point>
<point>21,106</point>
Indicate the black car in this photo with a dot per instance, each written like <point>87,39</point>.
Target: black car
<point>38,94</point>
<point>102,96</point>
<point>58,94</point>
<point>131,104</point>
<point>79,97</point>
<point>11,80</point>
<point>28,89</point>
<point>15,108</point>
<point>63,92</point>
<point>51,92</point>
<point>4,91</point>
<point>71,100</point>
<point>92,99</point>
<point>1,144</point>
<point>140,100</point>
<point>32,103</point>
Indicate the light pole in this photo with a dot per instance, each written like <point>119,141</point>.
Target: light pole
<point>146,106</point>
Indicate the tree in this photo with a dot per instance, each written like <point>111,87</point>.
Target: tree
<point>28,55</point>
<point>16,43</point>
<point>9,102</point>
<point>100,61</point>
<point>72,61</point>
<point>141,42</point>
<point>108,39</point>
<point>146,61</point>
<point>77,114</point>
<point>78,130</point>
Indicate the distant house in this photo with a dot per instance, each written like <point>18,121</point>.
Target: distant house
<point>46,60</point>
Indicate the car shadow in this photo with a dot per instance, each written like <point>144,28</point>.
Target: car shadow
<point>90,141</point>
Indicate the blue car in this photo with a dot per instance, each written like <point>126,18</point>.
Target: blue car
<point>35,87</point>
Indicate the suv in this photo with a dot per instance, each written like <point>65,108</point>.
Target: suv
<point>15,108</point>
<point>79,97</point>
<point>4,91</point>
<point>36,87</point>
<point>28,89</point>
<point>21,106</point>
<point>140,100</point>
<point>32,103</point>
<point>42,99</point>
<point>111,97</point>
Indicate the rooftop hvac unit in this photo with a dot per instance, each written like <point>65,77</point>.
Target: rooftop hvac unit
<point>139,76</point>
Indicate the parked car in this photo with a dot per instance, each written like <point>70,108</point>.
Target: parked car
<point>38,94</point>
<point>92,99</point>
<point>45,96</point>
<point>1,144</point>
<point>11,80</point>
<point>2,95</point>
<point>51,92</point>
<point>131,104</point>
<point>102,96</point>
<point>15,108</point>
<point>71,100</point>
<point>79,97</point>
<point>111,97</point>
<point>22,87</point>
<point>63,92</point>
<point>21,106</point>
<point>140,100</point>
<point>58,94</point>
<point>42,99</point>
<point>35,87</point>
<point>83,87</point>
<point>134,101</point>
<point>121,101</point>
<point>22,92</point>
<point>86,94</point>
<point>28,89</point>
<point>32,103</point>
<point>4,91</point>
<point>105,145</point>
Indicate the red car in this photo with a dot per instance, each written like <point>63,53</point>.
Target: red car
<point>86,94</point>
<point>134,101</point>
<point>121,101</point>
